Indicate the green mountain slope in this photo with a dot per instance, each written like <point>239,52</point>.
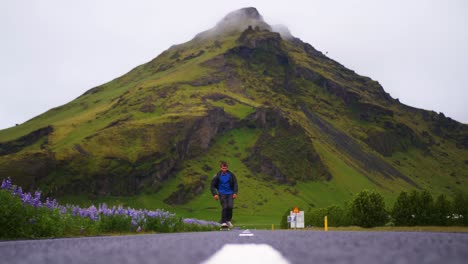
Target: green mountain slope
<point>297,128</point>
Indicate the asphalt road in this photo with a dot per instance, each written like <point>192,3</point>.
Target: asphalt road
<point>294,246</point>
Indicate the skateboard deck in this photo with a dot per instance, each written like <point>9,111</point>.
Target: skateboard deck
<point>224,228</point>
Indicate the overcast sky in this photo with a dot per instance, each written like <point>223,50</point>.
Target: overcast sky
<point>52,51</point>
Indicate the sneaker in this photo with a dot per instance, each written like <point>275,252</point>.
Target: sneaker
<point>224,225</point>
<point>229,224</point>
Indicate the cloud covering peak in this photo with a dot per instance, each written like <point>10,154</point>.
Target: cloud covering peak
<point>241,19</point>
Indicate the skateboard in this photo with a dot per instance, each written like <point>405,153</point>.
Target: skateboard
<point>224,228</point>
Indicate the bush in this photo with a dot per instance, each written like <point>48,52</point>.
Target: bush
<point>45,222</point>
<point>115,223</point>
<point>164,224</point>
<point>424,208</point>
<point>13,217</point>
<point>315,217</point>
<point>402,210</point>
<point>368,209</point>
<point>19,220</point>
<point>459,210</point>
<point>442,208</point>
<point>79,226</point>
<point>336,215</point>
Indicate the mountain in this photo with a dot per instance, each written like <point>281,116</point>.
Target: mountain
<point>297,127</point>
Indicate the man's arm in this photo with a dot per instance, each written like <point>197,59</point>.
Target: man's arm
<point>214,185</point>
<point>234,183</point>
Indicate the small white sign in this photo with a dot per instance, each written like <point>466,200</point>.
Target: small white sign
<point>297,219</point>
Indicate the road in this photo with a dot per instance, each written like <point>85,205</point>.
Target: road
<point>291,246</point>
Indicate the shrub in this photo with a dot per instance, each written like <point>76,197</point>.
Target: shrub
<point>114,223</point>
<point>13,217</point>
<point>424,208</point>
<point>460,209</point>
<point>441,210</point>
<point>368,209</point>
<point>19,220</point>
<point>402,210</point>
<point>315,217</point>
<point>163,222</point>
<point>338,216</point>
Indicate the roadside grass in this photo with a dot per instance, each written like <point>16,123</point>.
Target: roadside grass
<point>447,229</point>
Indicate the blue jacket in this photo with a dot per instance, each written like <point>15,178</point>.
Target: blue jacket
<point>215,183</point>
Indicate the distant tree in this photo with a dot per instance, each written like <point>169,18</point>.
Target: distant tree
<point>403,210</point>
<point>338,216</point>
<point>314,217</point>
<point>422,207</point>
<point>368,209</point>
<point>460,209</point>
<point>441,210</point>
<point>425,208</point>
<point>413,207</point>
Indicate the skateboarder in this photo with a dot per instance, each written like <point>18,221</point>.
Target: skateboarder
<point>224,189</point>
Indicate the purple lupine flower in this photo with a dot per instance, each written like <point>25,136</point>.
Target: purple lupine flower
<point>103,209</point>
<point>62,209</point>
<point>75,210</point>
<point>120,210</point>
<point>138,217</point>
<point>6,184</point>
<point>19,192</point>
<point>189,221</point>
<point>13,189</point>
<point>37,199</point>
<point>51,204</point>
<point>83,212</point>
<point>26,198</point>
<point>37,195</point>
<point>92,213</point>
<point>152,214</point>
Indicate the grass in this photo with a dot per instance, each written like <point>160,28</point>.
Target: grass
<point>446,229</point>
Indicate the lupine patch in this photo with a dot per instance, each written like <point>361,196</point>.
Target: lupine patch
<point>94,219</point>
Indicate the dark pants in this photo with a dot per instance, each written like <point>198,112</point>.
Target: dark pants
<point>227,203</point>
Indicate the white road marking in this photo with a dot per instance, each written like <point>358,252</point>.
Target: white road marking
<point>246,233</point>
<point>246,253</point>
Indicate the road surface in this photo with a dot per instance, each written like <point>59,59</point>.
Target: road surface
<point>262,246</point>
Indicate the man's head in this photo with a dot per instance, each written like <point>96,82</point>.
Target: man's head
<point>223,166</point>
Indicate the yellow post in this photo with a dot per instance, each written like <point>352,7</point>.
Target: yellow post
<point>272,226</point>
<point>326,223</point>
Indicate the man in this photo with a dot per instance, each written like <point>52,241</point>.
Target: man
<point>224,189</point>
